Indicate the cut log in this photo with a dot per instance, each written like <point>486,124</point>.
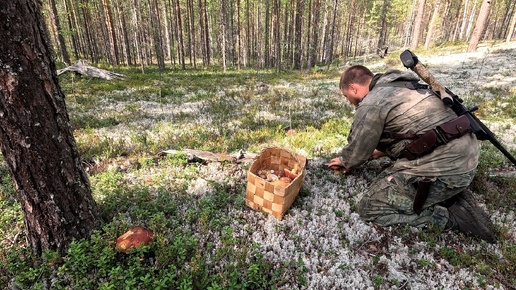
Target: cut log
<point>82,67</point>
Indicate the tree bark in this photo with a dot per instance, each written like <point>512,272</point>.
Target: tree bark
<point>276,49</point>
<point>113,46</point>
<point>125,35</point>
<point>204,33</point>
<point>479,26</point>
<point>156,34</point>
<point>137,40</point>
<point>464,21</point>
<point>382,35</point>
<point>223,28</point>
<point>57,26</point>
<point>298,19</point>
<point>74,28</point>
<point>90,47</point>
<point>506,22</point>
<point>288,31</point>
<point>267,35</point>
<point>330,33</point>
<point>191,33</point>
<point>36,137</point>
<point>179,34</point>
<point>238,34</point>
<point>511,28</point>
<point>416,33</point>
<point>431,28</point>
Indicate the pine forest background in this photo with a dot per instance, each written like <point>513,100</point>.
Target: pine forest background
<point>281,34</point>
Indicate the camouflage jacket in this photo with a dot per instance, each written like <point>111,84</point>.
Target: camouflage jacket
<point>401,110</point>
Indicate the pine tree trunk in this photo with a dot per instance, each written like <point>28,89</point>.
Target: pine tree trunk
<point>288,31</point>
<point>191,34</point>
<point>204,33</point>
<point>223,28</point>
<point>479,26</point>
<point>433,20</point>
<point>247,58</point>
<point>179,34</point>
<point>156,34</point>
<point>464,21</point>
<point>113,46</point>
<point>506,24</point>
<point>276,48</point>
<point>382,35</point>
<point>512,26</point>
<point>331,36</point>
<point>36,138</point>
<point>267,49</point>
<point>57,26</point>
<point>137,40</point>
<point>71,26</point>
<point>172,20</point>
<point>416,33</point>
<point>125,37</point>
<point>90,47</point>
<point>298,33</point>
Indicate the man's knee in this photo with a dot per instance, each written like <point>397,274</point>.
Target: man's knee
<point>384,197</point>
<point>363,207</point>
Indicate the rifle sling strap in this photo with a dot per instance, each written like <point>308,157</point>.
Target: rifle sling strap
<point>423,187</point>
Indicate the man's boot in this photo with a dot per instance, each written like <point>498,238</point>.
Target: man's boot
<point>467,217</point>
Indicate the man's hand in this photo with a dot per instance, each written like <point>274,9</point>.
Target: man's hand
<point>377,154</point>
<point>336,164</point>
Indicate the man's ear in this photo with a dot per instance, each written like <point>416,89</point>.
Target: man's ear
<point>352,88</point>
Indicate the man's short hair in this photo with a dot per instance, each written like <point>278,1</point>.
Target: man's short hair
<point>357,74</point>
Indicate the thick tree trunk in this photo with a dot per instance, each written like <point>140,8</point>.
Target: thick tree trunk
<point>36,138</point>
<point>479,26</point>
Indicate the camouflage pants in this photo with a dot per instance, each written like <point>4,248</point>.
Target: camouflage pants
<point>390,199</point>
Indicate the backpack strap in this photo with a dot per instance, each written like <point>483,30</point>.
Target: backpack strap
<point>412,85</point>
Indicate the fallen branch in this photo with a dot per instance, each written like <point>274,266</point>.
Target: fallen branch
<point>82,67</point>
<point>206,156</point>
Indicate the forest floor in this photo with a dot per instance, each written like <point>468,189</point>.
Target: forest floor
<point>205,234</point>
